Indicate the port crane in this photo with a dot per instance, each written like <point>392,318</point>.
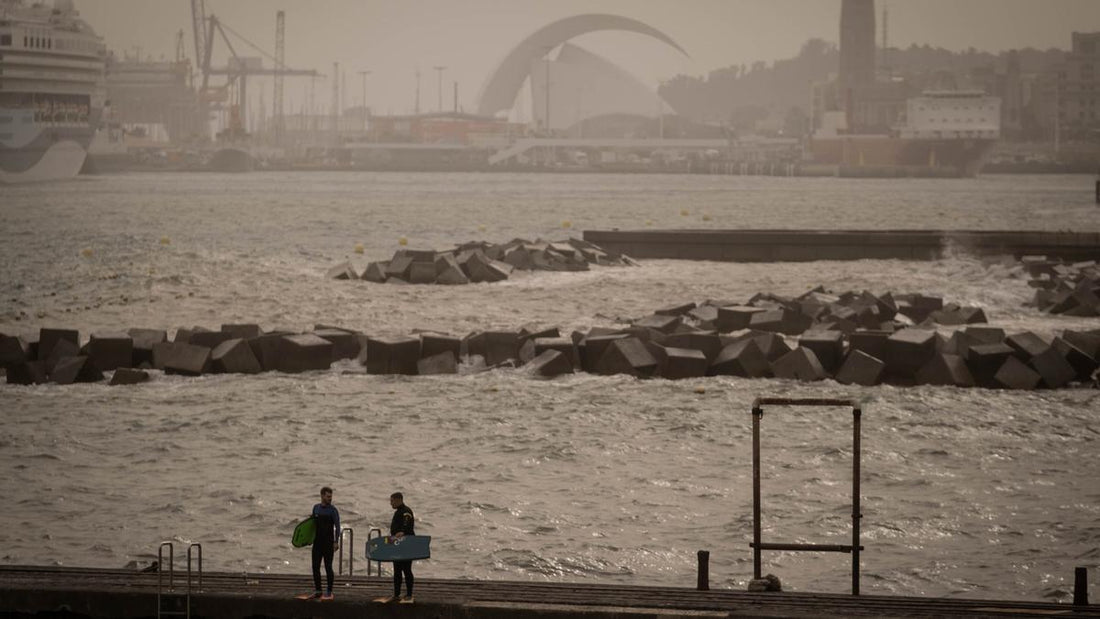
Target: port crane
<point>238,68</point>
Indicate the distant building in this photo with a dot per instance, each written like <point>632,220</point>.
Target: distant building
<point>153,95</point>
<point>1077,90</point>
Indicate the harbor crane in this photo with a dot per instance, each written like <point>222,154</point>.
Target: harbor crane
<point>238,68</point>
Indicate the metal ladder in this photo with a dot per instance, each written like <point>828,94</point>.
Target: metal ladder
<point>349,533</point>
<point>378,564</point>
<point>170,603</point>
<point>757,545</point>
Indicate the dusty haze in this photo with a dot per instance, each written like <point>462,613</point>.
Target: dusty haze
<point>391,39</point>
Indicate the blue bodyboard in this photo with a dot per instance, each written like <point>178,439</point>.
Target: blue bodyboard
<point>407,548</point>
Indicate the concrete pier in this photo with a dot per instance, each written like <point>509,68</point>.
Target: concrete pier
<point>809,245</point>
<point>44,591</point>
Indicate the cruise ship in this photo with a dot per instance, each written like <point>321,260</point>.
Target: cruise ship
<point>51,90</point>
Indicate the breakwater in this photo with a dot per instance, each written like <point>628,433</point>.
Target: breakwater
<point>810,245</point>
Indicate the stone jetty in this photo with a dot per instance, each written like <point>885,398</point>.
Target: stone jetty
<point>481,261</point>
<point>853,337</point>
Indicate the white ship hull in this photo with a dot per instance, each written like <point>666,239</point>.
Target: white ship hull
<point>61,160</point>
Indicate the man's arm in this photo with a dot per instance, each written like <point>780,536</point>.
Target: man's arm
<point>336,524</point>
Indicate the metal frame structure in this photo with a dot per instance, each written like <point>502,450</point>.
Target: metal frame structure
<point>757,545</point>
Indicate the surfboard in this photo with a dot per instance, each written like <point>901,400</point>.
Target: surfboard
<point>304,533</point>
<point>407,548</point>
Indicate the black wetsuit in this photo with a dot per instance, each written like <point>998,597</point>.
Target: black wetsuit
<point>328,531</point>
<point>403,522</point>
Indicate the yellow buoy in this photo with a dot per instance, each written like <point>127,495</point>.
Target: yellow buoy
<point>481,228</point>
<point>165,240</point>
<point>86,252</point>
<point>649,222</point>
<point>706,217</point>
<point>402,241</point>
<point>685,212</point>
<point>566,224</point>
<point>700,389</point>
<point>358,248</point>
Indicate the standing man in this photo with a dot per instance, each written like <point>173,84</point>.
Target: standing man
<point>402,524</point>
<point>325,543</point>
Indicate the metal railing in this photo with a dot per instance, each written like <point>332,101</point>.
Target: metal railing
<point>757,544</point>
<point>194,551</point>
<point>350,534</point>
<point>378,564</point>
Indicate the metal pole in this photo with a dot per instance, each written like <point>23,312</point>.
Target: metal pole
<point>856,515</point>
<point>756,414</point>
<point>704,571</point>
<point>439,88</point>
<point>1081,586</point>
<point>364,75</point>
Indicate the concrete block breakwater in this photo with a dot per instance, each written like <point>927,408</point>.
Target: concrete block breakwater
<point>1061,288</point>
<point>481,261</point>
<point>810,245</point>
<point>854,338</point>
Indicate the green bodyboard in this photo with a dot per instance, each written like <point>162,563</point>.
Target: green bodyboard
<point>304,533</point>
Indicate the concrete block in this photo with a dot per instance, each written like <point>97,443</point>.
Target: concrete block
<point>676,310</point>
<point>345,344</point>
<point>143,342</point>
<point>799,364</point>
<point>27,373</point>
<point>1053,368</point>
<point>735,317</point>
<point>180,358</point>
<point>908,350</point>
<point>441,363</point>
<point>376,272</point>
<point>918,307</point>
<point>658,322</point>
<point>1015,375</point>
<point>78,369</point>
<point>234,356</point>
<point>268,349</point>
<point>781,320</point>
<point>432,344</point>
<point>828,346</point>
<point>772,345</point>
<point>871,342</point>
<point>593,347</point>
<point>984,360</point>
<point>526,351</point>
<point>947,370</point>
<point>1026,345</point>
<point>473,344</point>
<point>479,268</point>
<point>985,335</point>
<point>743,358</point>
<point>707,342</point>
<point>534,332</point>
<point>398,267</point>
<point>48,338</point>
<point>61,349</point>
<point>243,331</point>
<point>397,355</point>
<point>344,270</point>
<point>209,339</point>
<point>422,273</point>
<point>627,356</point>
<point>563,345</point>
<point>183,334</point>
<point>305,352</point>
<point>500,346</point>
<point>1088,342</point>
<point>675,363</point>
<point>1083,364</point>
<point>519,258</point>
<point>108,350</point>
<point>13,350</point>
<point>128,376</point>
<point>549,363</point>
<point>859,368</point>
<point>452,276</point>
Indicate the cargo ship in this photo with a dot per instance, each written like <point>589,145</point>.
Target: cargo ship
<point>51,90</point>
<point>943,134</point>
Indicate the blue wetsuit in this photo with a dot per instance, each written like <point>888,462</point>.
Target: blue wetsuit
<point>328,533</point>
<point>403,522</point>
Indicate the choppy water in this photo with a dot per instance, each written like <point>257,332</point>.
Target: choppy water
<point>971,493</point>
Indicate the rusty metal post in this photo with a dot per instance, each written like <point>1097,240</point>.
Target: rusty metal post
<point>856,515</point>
<point>1098,191</point>
<point>704,571</point>
<point>1081,577</point>
<point>757,413</point>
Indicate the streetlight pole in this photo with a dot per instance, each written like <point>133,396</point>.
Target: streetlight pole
<point>364,74</point>
<point>439,87</point>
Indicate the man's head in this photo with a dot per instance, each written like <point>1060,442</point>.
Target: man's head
<point>326,496</point>
<point>397,500</point>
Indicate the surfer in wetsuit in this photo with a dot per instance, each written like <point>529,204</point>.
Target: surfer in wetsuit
<point>326,541</point>
<point>402,524</point>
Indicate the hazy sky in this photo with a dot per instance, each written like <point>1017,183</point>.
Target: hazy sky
<point>391,38</point>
